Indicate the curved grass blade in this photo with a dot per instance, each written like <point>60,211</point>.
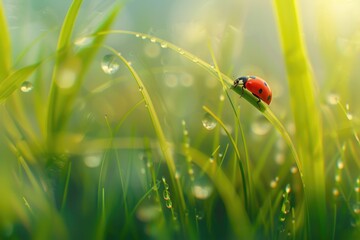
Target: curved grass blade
<point>5,46</point>
<point>14,79</point>
<point>306,112</point>
<point>165,148</point>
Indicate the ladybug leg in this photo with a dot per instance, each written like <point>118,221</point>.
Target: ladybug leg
<point>258,101</point>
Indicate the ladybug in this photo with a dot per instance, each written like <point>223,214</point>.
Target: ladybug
<point>257,86</point>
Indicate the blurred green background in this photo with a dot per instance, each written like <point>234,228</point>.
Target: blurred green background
<point>90,181</point>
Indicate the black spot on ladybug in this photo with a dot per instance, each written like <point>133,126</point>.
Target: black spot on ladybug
<point>260,90</point>
<point>269,97</point>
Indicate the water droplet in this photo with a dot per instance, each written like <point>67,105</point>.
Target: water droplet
<point>181,51</point>
<point>357,189</point>
<point>356,208</point>
<point>211,159</point>
<point>166,195</point>
<point>153,40</point>
<point>141,88</point>
<point>164,45</point>
<point>199,215</point>
<point>340,164</point>
<point>285,208</point>
<point>109,64</point>
<point>137,35</point>
<point>83,41</point>
<point>349,116</point>
<point>333,99</point>
<point>222,97</point>
<point>261,125</point>
<point>208,122</point>
<point>347,106</point>
<point>143,37</point>
<point>282,218</point>
<point>26,86</point>
<point>195,60</point>
<point>288,189</point>
<point>168,203</point>
<point>335,192</point>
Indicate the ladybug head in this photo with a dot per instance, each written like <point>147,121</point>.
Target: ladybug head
<point>240,81</point>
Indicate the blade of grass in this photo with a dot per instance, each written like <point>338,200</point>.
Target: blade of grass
<point>233,204</point>
<point>14,79</point>
<point>306,111</point>
<point>165,148</point>
<point>63,46</point>
<point>60,100</point>
<point>236,149</point>
<point>5,46</point>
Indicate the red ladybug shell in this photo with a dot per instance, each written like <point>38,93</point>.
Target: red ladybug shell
<point>258,87</point>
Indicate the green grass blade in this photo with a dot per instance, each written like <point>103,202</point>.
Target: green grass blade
<point>5,46</point>
<point>306,111</point>
<point>237,152</point>
<point>14,79</point>
<point>63,46</point>
<point>165,148</point>
<point>60,102</point>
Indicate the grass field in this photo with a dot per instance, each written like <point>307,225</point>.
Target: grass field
<point>119,120</point>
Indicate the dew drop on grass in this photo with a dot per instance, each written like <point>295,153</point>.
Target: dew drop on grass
<point>208,122</point>
<point>141,89</point>
<point>153,40</point>
<point>166,194</point>
<point>288,189</point>
<point>164,45</point>
<point>195,60</point>
<point>26,86</point>
<point>143,37</point>
<point>137,35</point>
<point>168,204</point>
<point>349,116</point>
<point>109,64</point>
<point>285,208</point>
<point>335,192</point>
<point>181,51</point>
<point>211,159</point>
<point>222,97</point>
<point>356,208</point>
<point>333,99</point>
